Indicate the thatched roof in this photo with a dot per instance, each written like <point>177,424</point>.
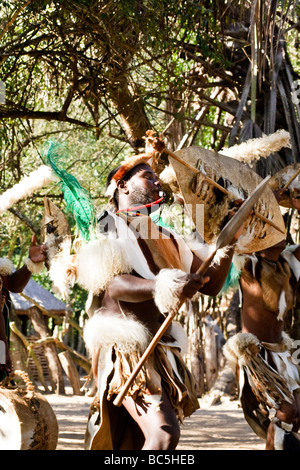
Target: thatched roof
<point>40,295</point>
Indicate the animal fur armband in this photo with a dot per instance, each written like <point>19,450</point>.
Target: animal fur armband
<point>6,267</point>
<point>34,268</point>
<point>167,284</point>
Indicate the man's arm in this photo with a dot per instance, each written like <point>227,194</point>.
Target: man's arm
<point>8,365</point>
<point>217,273</point>
<point>131,288</point>
<point>16,281</point>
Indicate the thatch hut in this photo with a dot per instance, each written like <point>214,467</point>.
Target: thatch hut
<point>41,296</point>
<point>36,312</point>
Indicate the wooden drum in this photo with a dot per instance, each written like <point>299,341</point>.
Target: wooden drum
<point>27,421</point>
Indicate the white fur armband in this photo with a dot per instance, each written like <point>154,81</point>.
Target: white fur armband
<point>167,283</point>
<point>6,267</point>
<point>34,268</point>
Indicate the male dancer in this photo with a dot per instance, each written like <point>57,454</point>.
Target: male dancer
<point>261,354</point>
<point>135,275</point>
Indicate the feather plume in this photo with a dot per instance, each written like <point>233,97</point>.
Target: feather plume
<point>39,178</point>
<point>251,150</point>
<point>76,197</point>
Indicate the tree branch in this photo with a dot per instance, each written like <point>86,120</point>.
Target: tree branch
<point>44,115</point>
<point>15,16</point>
<point>24,219</point>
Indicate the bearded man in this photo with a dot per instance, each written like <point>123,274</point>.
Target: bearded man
<point>136,273</point>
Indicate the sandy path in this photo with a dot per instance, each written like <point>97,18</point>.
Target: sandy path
<point>218,427</point>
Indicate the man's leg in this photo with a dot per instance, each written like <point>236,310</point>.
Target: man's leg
<point>159,425</point>
<point>287,414</point>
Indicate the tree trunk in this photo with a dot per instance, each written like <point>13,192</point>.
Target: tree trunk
<point>225,383</point>
<point>71,371</point>
<point>56,376</point>
<point>132,113</point>
<point>210,351</point>
<point>196,354</point>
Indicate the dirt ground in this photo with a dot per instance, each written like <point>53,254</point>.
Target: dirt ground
<point>218,427</point>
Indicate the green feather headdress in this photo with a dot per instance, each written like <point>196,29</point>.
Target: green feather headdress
<point>76,197</point>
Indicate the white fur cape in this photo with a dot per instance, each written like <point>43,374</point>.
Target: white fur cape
<point>100,261</point>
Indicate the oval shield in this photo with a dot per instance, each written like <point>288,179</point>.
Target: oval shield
<point>210,205</point>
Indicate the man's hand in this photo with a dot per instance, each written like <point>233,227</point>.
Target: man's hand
<point>37,253</point>
<point>293,194</point>
<point>190,285</point>
<point>296,199</point>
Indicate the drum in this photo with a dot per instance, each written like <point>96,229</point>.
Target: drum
<point>27,421</point>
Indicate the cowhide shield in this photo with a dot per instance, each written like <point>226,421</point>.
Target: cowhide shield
<point>282,178</point>
<point>210,208</point>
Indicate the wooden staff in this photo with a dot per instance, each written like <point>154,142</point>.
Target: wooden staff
<point>290,180</point>
<point>225,238</point>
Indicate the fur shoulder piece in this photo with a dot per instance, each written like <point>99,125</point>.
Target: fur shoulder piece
<point>6,267</point>
<point>99,261</point>
<point>125,333</point>
<point>294,263</point>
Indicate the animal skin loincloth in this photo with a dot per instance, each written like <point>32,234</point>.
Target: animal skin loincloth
<point>118,344</point>
<point>267,376</point>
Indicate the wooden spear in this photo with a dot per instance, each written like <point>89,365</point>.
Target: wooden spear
<point>290,180</point>
<point>225,237</point>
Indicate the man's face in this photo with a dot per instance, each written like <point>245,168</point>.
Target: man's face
<point>143,186</point>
